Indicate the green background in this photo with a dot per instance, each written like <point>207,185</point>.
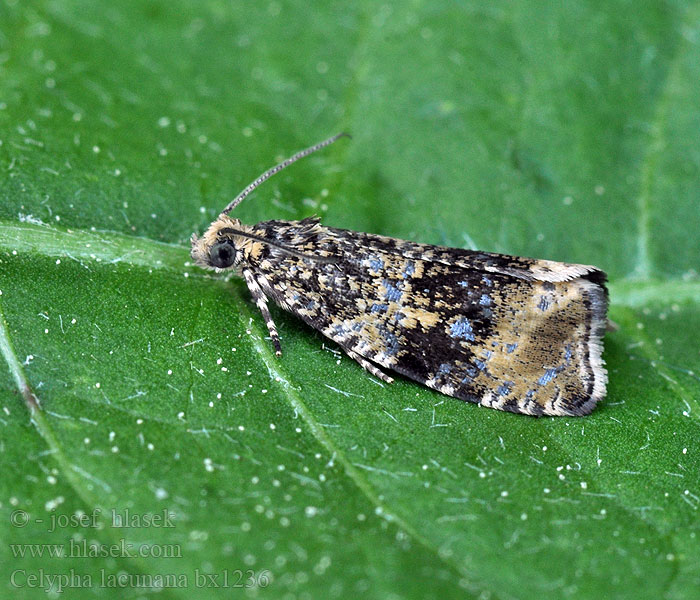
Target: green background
<point>562,131</point>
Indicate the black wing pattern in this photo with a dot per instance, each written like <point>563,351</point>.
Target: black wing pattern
<point>512,333</point>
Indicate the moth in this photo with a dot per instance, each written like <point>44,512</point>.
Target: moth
<point>516,334</point>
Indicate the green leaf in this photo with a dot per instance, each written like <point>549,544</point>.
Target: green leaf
<point>138,383</point>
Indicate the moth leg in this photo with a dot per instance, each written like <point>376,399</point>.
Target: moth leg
<point>261,302</point>
<point>611,326</point>
<point>374,370</point>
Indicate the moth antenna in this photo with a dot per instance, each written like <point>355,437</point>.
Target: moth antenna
<point>282,247</point>
<point>277,168</point>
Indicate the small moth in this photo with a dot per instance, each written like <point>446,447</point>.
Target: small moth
<point>516,334</point>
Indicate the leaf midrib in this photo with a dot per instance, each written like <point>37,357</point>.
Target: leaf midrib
<point>110,247</point>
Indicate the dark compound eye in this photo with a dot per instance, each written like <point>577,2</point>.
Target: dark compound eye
<point>222,255</point>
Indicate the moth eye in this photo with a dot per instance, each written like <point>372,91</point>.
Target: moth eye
<point>222,255</point>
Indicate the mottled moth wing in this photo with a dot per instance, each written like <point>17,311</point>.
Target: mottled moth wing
<point>511,333</point>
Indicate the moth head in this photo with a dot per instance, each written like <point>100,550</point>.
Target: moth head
<point>216,249</point>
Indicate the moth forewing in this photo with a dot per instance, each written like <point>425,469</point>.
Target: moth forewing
<point>512,333</point>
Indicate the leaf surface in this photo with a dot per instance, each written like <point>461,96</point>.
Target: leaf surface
<point>562,133</point>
